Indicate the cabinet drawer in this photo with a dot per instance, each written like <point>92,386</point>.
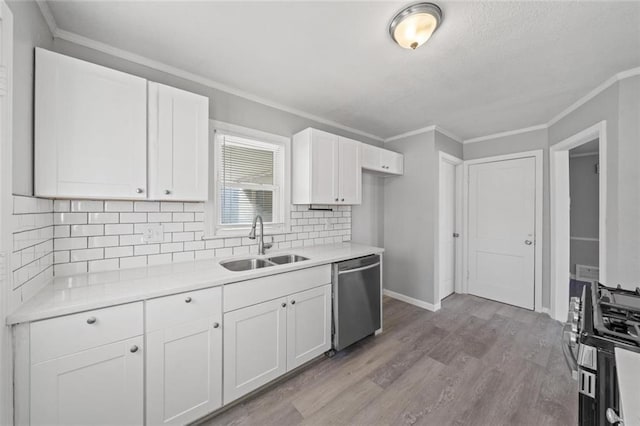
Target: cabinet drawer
<point>251,292</point>
<point>184,307</point>
<point>61,336</point>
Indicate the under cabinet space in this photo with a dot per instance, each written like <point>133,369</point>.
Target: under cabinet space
<point>178,144</point>
<point>184,356</point>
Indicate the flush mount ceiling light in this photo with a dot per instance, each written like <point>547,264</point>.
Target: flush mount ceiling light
<point>413,25</point>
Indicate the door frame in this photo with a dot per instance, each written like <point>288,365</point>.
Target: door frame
<point>560,214</point>
<point>539,241</point>
<point>443,157</point>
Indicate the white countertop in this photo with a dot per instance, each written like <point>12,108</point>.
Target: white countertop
<point>77,293</point>
<point>628,368</point>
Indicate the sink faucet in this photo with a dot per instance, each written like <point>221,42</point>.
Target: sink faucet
<point>261,245</point>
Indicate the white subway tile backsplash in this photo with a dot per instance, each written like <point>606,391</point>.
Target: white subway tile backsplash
<point>118,229</point>
<point>101,235</point>
<point>104,218</point>
<point>86,254</point>
<point>87,206</point>
<point>146,206</point>
<point>86,230</point>
<point>65,269</point>
<point>69,218</point>
<point>133,217</point>
<point>103,241</point>
<point>118,206</point>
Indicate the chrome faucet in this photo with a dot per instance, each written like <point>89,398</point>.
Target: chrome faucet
<point>252,234</point>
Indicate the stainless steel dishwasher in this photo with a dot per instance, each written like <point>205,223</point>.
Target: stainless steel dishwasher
<point>356,300</point>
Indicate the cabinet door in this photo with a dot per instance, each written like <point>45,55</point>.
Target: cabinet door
<point>370,157</point>
<point>391,162</point>
<point>324,167</point>
<point>349,172</point>
<point>90,130</point>
<point>255,342</point>
<point>178,144</point>
<point>184,372</point>
<point>308,325</point>
<point>103,385</point>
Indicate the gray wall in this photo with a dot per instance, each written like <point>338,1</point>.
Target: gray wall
<point>368,225</point>
<point>619,106</point>
<point>29,30</point>
<point>410,215</point>
<point>529,141</point>
<point>583,187</point>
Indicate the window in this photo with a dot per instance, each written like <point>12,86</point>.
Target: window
<point>250,178</point>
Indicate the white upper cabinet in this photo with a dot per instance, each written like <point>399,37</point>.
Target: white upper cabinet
<point>178,144</point>
<point>326,169</point>
<point>382,160</point>
<point>90,130</point>
<point>95,128</point>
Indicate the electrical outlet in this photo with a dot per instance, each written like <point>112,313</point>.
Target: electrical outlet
<point>152,233</point>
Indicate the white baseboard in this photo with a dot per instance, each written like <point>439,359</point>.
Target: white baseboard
<point>416,302</point>
<point>546,311</point>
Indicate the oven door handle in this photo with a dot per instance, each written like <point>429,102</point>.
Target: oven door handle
<point>569,356</point>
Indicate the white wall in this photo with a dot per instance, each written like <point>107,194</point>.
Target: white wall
<point>368,228</point>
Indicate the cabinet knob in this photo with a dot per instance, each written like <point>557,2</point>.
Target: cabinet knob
<point>167,192</point>
<point>91,320</point>
<point>337,199</point>
<point>133,349</point>
<point>139,190</point>
<point>284,305</point>
<point>293,302</point>
<point>188,300</point>
<point>216,325</point>
<point>342,199</point>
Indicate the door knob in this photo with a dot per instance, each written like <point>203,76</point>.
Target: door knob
<point>528,242</point>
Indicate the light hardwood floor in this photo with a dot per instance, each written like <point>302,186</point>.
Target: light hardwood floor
<point>475,362</point>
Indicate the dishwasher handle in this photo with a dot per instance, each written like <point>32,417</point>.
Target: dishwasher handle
<point>363,268</point>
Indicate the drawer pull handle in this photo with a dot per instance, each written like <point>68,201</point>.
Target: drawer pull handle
<point>216,325</point>
<point>293,302</point>
<point>134,349</point>
<point>188,300</point>
<point>284,305</point>
<point>91,320</point>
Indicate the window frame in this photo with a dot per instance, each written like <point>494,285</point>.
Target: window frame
<point>282,182</point>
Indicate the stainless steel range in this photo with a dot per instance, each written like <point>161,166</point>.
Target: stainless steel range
<point>601,320</point>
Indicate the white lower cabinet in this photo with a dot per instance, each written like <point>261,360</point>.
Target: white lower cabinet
<point>308,325</point>
<point>184,356</point>
<point>255,344</point>
<point>264,341</point>
<point>101,383</point>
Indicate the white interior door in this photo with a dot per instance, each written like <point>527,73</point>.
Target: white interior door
<point>501,258</point>
<point>447,228</point>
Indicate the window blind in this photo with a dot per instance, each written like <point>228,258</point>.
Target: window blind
<point>247,181</point>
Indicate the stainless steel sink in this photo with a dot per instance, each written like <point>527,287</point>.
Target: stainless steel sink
<point>246,264</point>
<point>286,258</point>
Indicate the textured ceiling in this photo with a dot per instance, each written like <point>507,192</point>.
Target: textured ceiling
<point>491,67</point>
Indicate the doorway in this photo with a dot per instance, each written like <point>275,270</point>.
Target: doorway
<point>448,263</point>
<point>560,246</point>
<point>503,229</point>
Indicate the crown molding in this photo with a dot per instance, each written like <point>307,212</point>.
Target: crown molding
<point>433,127</point>
<point>178,72</point>
<point>507,133</point>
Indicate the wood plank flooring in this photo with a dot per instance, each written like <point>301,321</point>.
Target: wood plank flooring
<point>474,362</point>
